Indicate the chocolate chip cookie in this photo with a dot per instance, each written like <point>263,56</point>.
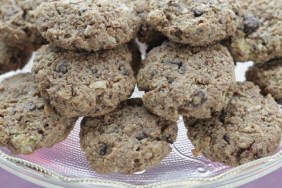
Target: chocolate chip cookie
<point>27,122</point>
<point>127,140</point>
<point>12,58</point>
<point>180,80</point>
<point>269,77</point>
<point>249,128</point>
<point>89,25</point>
<point>197,23</point>
<point>17,26</point>
<point>84,83</point>
<point>259,35</point>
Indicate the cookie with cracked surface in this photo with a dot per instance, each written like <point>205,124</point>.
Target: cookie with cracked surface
<point>180,80</point>
<point>12,58</point>
<point>84,83</point>
<point>89,25</point>
<point>259,34</point>
<point>27,122</point>
<point>269,77</point>
<point>17,25</point>
<point>249,128</point>
<point>197,23</point>
<point>129,131</point>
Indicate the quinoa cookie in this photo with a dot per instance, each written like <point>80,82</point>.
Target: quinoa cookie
<point>27,122</point>
<point>84,83</point>
<point>249,128</point>
<point>269,77</point>
<point>259,34</point>
<point>12,58</point>
<point>90,25</point>
<point>129,131</point>
<point>17,26</point>
<point>197,23</point>
<point>179,80</point>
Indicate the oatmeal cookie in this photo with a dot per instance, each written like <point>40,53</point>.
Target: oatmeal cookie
<point>90,25</point>
<point>127,140</point>
<point>197,23</point>
<point>259,34</point>
<point>27,122</point>
<point>249,128</point>
<point>84,83</point>
<point>180,80</point>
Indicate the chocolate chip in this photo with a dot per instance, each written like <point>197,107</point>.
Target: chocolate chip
<point>170,81</point>
<point>125,72</point>
<point>141,136</point>
<point>178,33</point>
<point>153,73</point>
<point>199,98</point>
<point>29,106</point>
<point>94,71</point>
<point>222,116</point>
<point>226,138</point>
<point>62,68</point>
<point>251,24</point>
<point>40,131</point>
<point>174,62</point>
<point>239,152</point>
<point>198,13</point>
<point>103,149</point>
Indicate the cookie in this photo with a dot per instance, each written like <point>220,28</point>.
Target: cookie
<point>27,122</point>
<point>197,23</point>
<point>17,26</point>
<point>84,83</point>
<point>180,80</point>
<point>89,25</point>
<point>269,77</point>
<point>259,35</point>
<point>12,58</point>
<point>249,128</point>
<point>127,140</point>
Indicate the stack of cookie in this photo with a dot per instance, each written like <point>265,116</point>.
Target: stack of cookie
<point>87,70</point>
<point>192,74</point>
<point>91,66</point>
<point>27,121</point>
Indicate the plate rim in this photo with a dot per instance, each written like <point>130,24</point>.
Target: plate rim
<point>43,174</point>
